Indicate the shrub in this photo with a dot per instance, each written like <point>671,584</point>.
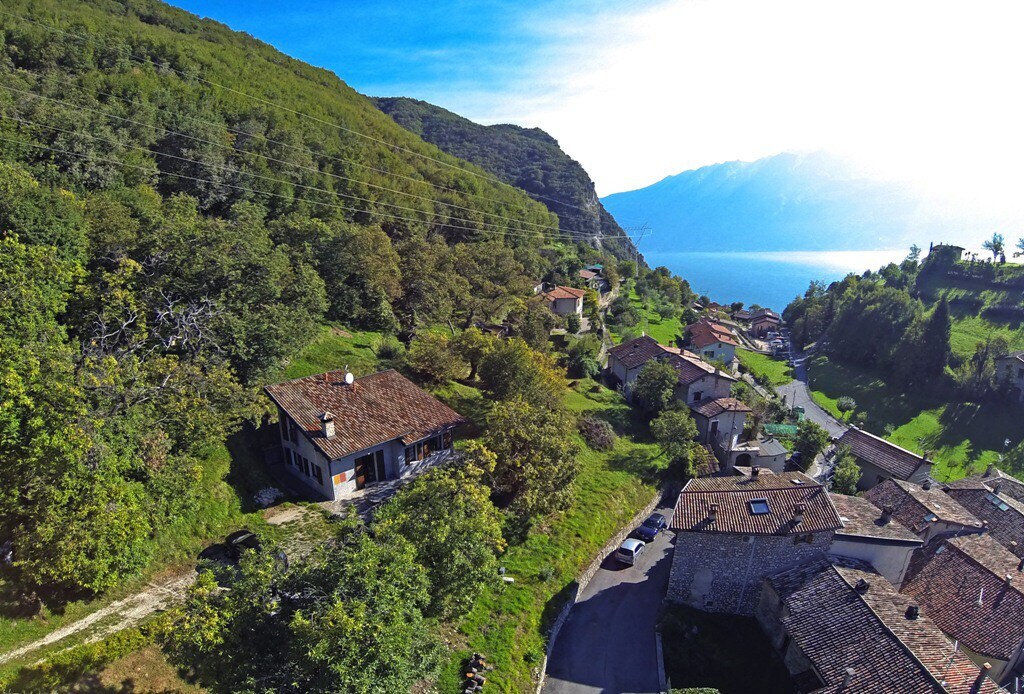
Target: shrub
<point>846,404</point>
<point>573,323</point>
<point>432,358</point>
<point>597,433</point>
<point>388,347</point>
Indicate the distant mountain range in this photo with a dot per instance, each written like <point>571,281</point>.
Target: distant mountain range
<point>787,202</point>
<point>527,158</point>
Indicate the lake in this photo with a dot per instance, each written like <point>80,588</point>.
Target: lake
<point>771,279</point>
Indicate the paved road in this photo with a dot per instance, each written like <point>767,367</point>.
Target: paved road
<point>797,394</point>
<point>607,644</point>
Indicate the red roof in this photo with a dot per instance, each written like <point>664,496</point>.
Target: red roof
<point>587,274</point>
<point>565,293</point>
<point>844,616</point>
<point>704,333</point>
<point>375,409</point>
<point>950,578</point>
<point>784,495</point>
<point>899,462</point>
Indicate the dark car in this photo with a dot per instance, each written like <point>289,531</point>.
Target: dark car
<point>649,529</point>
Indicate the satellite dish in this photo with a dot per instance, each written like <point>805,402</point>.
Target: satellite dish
<point>349,378</point>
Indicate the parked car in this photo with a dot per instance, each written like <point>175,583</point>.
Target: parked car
<point>649,529</point>
<point>629,551</point>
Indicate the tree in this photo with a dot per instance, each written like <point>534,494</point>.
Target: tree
<point>536,457</point>
<point>934,350</point>
<point>573,323</point>
<point>1020,246</point>
<point>996,245</point>
<point>582,357</point>
<point>655,385</point>
<point>472,345</point>
<point>847,472</point>
<point>811,439</point>
<point>846,404</point>
<point>448,518</point>
<point>512,370</point>
<point>432,357</point>
<point>675,431</point>
<point>915,253</point>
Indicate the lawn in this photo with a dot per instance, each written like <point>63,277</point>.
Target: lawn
<point>762,366</point>
<point>665,330</point>
<point>968,330</point>
<point>509,622</point>
<point>336,348</point>
<point>701,651</point>
<point>961,437</point>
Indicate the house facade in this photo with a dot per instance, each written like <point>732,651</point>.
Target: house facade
<point>696,378</point>
<point>874,536</point>
<point>565,300</point>
<point>1010,370</point>
<point>711,341</point>
<point>339,435</point>
<point>880,460</point>
<point>732,532</point>
<point>764,321</point>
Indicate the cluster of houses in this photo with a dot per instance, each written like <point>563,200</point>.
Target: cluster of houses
<point>911,586</point>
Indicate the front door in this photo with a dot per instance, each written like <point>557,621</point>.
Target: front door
<point>364,470</point>
<point>713,431</point>
<point>378,466</point>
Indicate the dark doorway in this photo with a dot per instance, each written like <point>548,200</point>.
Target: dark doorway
<point>364,470</point>
<point>378,467</point>
<point>743,459</point>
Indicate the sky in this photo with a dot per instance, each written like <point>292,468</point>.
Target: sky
<point>924,92</point>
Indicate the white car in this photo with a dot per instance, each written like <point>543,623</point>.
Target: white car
<point>629,551</point>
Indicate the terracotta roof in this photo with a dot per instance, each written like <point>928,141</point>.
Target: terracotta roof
<point>701,338</point>
<point>637,351</point>
<point>917,507</point>
<point>565,293</point>
<point>897,461</point>
<point>381,407</point>
<point>949,578</point>
<point>712,407</point>
<point>783,493</point>
<point>587,274</point>
<point>861,518</point>
<point>842,628</point>
<point>1003,514</point>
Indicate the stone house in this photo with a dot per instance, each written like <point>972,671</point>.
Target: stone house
<point>565,300</point>
<point>764,321</point>
<point>696,378</point>
<point>841,627</point>
<point>1010,369</point>
<point>1008,484</point>
<point>732,532</point>
<point>1002,515</point>
<point>971,588</point>
<point>720,423</point>
<point>925,510</point>
<point>712,341</point>
<point>880,460</point>
<point>339,434</point>
<point>872,535</point>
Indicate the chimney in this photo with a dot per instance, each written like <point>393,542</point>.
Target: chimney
<point>847,676</point>
<point>862,586</point>
<point>981,598</point>
<point>990,470</point>
<point>327,424</point>
<point>755,471</point>
<point>886,514</point>
<point>798,513</point>
<point>927,484</point>
<point>913,611</point>
<point>713,512</point>
<point>982,674</point>
<point>997,487</point>
<point>1009,580</point>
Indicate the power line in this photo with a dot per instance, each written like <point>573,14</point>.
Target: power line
<point>287,109</point>
<point>280,161</point>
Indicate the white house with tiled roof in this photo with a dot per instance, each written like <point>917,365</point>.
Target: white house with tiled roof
<point>339,434</point>
<point>1010,369</point>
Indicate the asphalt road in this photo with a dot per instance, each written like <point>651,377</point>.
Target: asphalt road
<point>607,644</point>
<point>798,395</point>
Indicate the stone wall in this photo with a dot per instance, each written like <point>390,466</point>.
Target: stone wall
<point>722,572</point>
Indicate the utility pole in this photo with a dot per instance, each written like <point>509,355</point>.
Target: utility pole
<point>641,232</point>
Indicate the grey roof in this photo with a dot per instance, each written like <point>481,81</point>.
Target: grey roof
<point>771,446</point>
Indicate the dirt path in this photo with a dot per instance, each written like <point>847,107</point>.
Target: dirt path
<point>116,616</point>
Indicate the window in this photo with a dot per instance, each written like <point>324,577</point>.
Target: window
<point>410,454</point>
<point>759,506</point>
<point>697,395</point>
<point>997,502</point>
<point>317,473</point>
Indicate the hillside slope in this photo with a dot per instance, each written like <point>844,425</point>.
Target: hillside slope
<point>784,202</point>
<point>527,158</point>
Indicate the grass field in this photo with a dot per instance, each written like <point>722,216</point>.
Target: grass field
<point>336,348</point>
<point>961,437</point>
<point>664,330</point>
<point>763,366</point>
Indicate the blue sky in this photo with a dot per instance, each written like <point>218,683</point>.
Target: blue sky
<point>924,91</point>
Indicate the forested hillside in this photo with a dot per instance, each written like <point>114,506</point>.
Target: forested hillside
<point>181,206</point>
<point>527,158</point>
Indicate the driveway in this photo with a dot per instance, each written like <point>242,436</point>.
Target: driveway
<point>607,644</point>
<point>797,394</point>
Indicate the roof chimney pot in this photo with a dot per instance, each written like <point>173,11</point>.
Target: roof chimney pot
<point>713,511</point>
<point>913,611</point>
<point>862,586</point>
<point>755,471</point>
<point>927,484</point>
<point>327,425</point>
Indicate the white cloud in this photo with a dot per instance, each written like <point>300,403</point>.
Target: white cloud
<point>928,91</point>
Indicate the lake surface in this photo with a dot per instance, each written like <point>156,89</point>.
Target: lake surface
<point>771,279</point>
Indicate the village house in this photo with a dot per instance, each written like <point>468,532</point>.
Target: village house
<point>841,627</point>
<point>1002,515</point>
<point>764,321</point>
<point>742,316</point>
<point>565,300</point>
<point>696,378</point>
<point>880,460</point>
<point>925,510</point>
<point>732,532</point>
<point>339,434</point>
<point>1010,370</point>
<point>1008,484</point>
<point>720,422</point>
<point>971,588</point>
<point>872,535</point>
<point>595,280</point>
<point>711,341</point>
